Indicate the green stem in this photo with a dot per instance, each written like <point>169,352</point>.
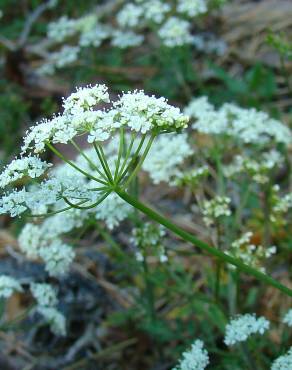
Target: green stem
<point>124,171</point>
<point>141,161</point>
<point>105,168</point>
<point>197,242</point>
<point>56,212</point>
<point>120,153</point>
<point>61,156</point>
<point>80,151</point>
<point>100,200</point>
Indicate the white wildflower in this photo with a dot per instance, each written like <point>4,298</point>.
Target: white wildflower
<point>250,254</point>
<point>243,326</point>
<point>19,168</point>
<point>155,10</point>
<point>247,125</point>
<point>283,362</point>
<point>13,203</point>
<point>288,318</point>
<point>175,32</point>
<point>215,208</point>
<point>190,177</point>
<point>196,358</point>
<point>259,169</point>
<point>126,39</point>
<point>192,7</point>
<point>141,113</point>
<point>95,36</point>
<point>129,15</point>
<point>54,318</point>
<point>167,153</point>
<point>85,98</point>
<point>64,57</point>
<point>61,29</point>
<point>57,257</point>
<point>8,285</point>
<point>29,240</point>
<point>45,294</point>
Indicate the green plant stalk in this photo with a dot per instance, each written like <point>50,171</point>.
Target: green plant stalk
<point>96,147</point>
<point>61,156</point>
<point>199,243</point>
<point>80,151</point>
<point>141,161</point>
<point>121,147</point>
<point>123,172</point>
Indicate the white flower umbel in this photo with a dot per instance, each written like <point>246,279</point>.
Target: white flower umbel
<point>54,318</point>
<point>27,166</point>
<point>29,240</point>
<point>143,113</point>
<point>190,177</point>
<point>167,153</point>
<point>155,10</point>
<point>215,208</point>
<point>252,255</point>
<point>147,238</point>
<point>126,39</point>
<point>175,32</point>
<point>57,257</point>
<point>259,169</point>
<point>283,362</point>
<point>287,319</point>
<point>95,36</point>
<point>129,15</point>
<point>192,7</point>
<point>242,327</point>
<point>196,358</point>
<point>45,294</point>
<point>247,125</point>
<point>8,285</point>
<point>61,29</point>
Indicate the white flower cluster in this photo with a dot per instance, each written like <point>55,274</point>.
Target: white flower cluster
<point>126,39</point>
<point>46,297</point>
<point>258,169</point>
<point>166,155</point>
<point>215,208</point>
<point>191,177</point>
<point>148,239</point>
<point>8,285</point>
<point>35,242</point>
<point>175,32</point>
<point>59,59</point>
<point>196,358</point>
<point>28,166</point>
<point>288,318</point>
<point>246,125</point>
<point>54,318</point>
<point>136,110</point>
<point>242,327</point>
<point>44,294</point>
<point>250,254</point>
<point>283,362</point>
<point>57,257</point>
<point>280,205</point>
<point>192,8</point>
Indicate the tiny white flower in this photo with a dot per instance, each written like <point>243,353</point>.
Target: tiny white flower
<point>8,285</point>
<point>196,358</point>
<point>242,327</point>
<point>288,318</point>
<point>45,294</point>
